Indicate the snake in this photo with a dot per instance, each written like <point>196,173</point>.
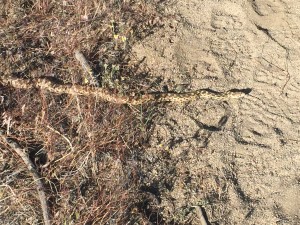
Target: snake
<point>106,95</point>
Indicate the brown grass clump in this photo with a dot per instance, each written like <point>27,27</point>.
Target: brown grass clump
<point>83,149</point>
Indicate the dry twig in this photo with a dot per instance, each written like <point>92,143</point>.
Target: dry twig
<point>39,185</point>
<point>92,79</point>
<point>200,215</point>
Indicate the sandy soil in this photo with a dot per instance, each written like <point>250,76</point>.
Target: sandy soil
<point>237,159</point>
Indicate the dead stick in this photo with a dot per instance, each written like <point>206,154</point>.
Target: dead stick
<point>85,65</point>
<point>200,215</point>
<point>39,185</point>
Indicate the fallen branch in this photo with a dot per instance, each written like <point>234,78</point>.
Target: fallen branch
<point>39,185</point>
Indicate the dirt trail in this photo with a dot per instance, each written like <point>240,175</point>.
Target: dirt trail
<point>238,159</point>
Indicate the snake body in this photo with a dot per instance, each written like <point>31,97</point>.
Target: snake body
<point>84,90</point>
<point>134,99</point>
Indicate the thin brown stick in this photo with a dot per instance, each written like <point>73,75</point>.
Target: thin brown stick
<point>39,185</point>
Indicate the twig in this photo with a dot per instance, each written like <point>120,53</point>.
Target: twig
<point>85,65</point>
<point>39,185</point>
<point>200,215</point>
<point>64,137</point>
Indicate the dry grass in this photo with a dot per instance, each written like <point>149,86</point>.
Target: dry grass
<point>83,148</point>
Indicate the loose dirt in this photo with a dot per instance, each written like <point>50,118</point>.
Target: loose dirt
<point>238,159</point>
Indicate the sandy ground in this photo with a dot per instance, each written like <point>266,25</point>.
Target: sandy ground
<point>237,159</point>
